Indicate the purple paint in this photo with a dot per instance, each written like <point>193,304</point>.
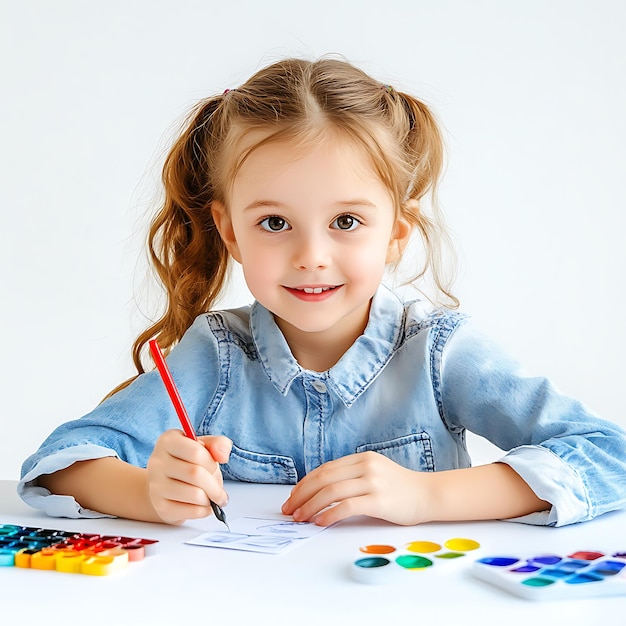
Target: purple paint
<point>526,569</point>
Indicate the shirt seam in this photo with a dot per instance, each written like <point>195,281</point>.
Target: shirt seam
<point>444,327</point>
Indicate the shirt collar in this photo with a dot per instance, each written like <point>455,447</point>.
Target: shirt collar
<point>356,369</point>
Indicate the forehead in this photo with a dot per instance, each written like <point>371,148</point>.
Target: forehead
<point>339,164</point>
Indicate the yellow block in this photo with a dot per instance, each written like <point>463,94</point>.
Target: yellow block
<point>104,563</point>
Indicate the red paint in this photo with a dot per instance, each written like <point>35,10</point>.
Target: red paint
<point>586,556</point>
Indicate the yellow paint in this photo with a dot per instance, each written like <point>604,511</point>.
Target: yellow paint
<point>104,563</point>
<point>461,544</point>
<point>44,559</point>
<point>423,546</point>
<point>22,558</point>
<point>70,562</point>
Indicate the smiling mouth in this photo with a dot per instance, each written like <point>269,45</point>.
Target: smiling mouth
<point>313,291</point>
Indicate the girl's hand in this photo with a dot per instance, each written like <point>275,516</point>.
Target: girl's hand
<point>366,483</point>
<point>184,476</point>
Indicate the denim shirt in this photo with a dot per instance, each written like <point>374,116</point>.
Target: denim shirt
<point>408,388</point>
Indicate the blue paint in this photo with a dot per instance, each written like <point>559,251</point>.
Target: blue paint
<point>608,568</point>
<point>572,566</point>
<point>498,561</point>
<point>547,559</point>
<point>583,578</point>
<point>556,573</point>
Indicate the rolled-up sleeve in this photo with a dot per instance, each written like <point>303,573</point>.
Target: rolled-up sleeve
<point>55,505</point>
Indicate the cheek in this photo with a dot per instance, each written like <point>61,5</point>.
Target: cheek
<point>368,255</point>
<point>259,266</point>
<point>261,251</point>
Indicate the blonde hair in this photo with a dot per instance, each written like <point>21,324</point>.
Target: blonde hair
<point>291,100</point>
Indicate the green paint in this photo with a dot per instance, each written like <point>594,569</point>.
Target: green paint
<point>538,582</point>
<point>372,561</point>
<point>410,561</point>
<point>449,555</point>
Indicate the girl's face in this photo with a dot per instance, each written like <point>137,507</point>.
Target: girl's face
<point>313,229</point>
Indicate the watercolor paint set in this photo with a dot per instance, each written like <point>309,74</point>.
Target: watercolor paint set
<point>381,563</point>
<point>581,574</point>
<point>65,551</point>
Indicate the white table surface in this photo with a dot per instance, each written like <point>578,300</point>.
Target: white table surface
<point>310,584</point>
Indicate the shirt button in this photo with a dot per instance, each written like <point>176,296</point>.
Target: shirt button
<point>318,385</point>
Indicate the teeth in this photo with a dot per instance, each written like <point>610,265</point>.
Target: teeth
<point>315,289</point>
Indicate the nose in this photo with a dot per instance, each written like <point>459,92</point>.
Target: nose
<point>311,251</point>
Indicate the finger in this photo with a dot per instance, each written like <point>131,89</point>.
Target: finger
<point>359,505</point>
<point>202,472</point>
<point>336,492</point>
<point>173,512</point>
<point>184,493</point>
<point>179,446</point>
<point>219,447</point>
<point>318,479</point>
<point>174,501</point>
<point>191,484</point>
<point>210,482</point>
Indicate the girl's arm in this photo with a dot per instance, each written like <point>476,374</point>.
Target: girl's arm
<point>126,426</point>
<point>179,482</point>
<point>107,485</point>
<point>371,484</point>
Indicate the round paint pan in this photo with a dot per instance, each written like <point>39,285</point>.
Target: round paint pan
<point>375,570</point>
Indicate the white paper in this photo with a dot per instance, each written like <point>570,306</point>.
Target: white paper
<point>256,534</point>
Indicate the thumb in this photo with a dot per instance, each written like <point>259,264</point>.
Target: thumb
<point>219,447</point>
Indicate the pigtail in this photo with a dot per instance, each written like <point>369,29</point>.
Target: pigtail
<point>424,150</point>
<point>184,246</point>
<point>424,143</point>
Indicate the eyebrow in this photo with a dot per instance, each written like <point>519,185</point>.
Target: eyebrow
<point>347,204</point>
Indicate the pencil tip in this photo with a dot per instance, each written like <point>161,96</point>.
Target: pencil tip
<point>219,514</point>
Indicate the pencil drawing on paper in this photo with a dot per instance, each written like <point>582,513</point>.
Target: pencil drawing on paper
<point>259,535</point>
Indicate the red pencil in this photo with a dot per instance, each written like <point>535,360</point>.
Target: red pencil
<point>174,395</point>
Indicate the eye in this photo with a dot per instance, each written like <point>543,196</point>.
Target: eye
<point>274,224</point>
<point>345,222</point>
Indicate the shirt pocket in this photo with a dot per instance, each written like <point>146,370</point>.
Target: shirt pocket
<point>413,451</point>
<point>254,467</point>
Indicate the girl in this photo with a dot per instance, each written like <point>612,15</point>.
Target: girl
<point>312,176</point>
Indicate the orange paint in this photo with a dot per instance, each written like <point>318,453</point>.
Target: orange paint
<point>377,549</point>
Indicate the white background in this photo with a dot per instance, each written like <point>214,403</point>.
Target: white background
<point>532,97</point>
